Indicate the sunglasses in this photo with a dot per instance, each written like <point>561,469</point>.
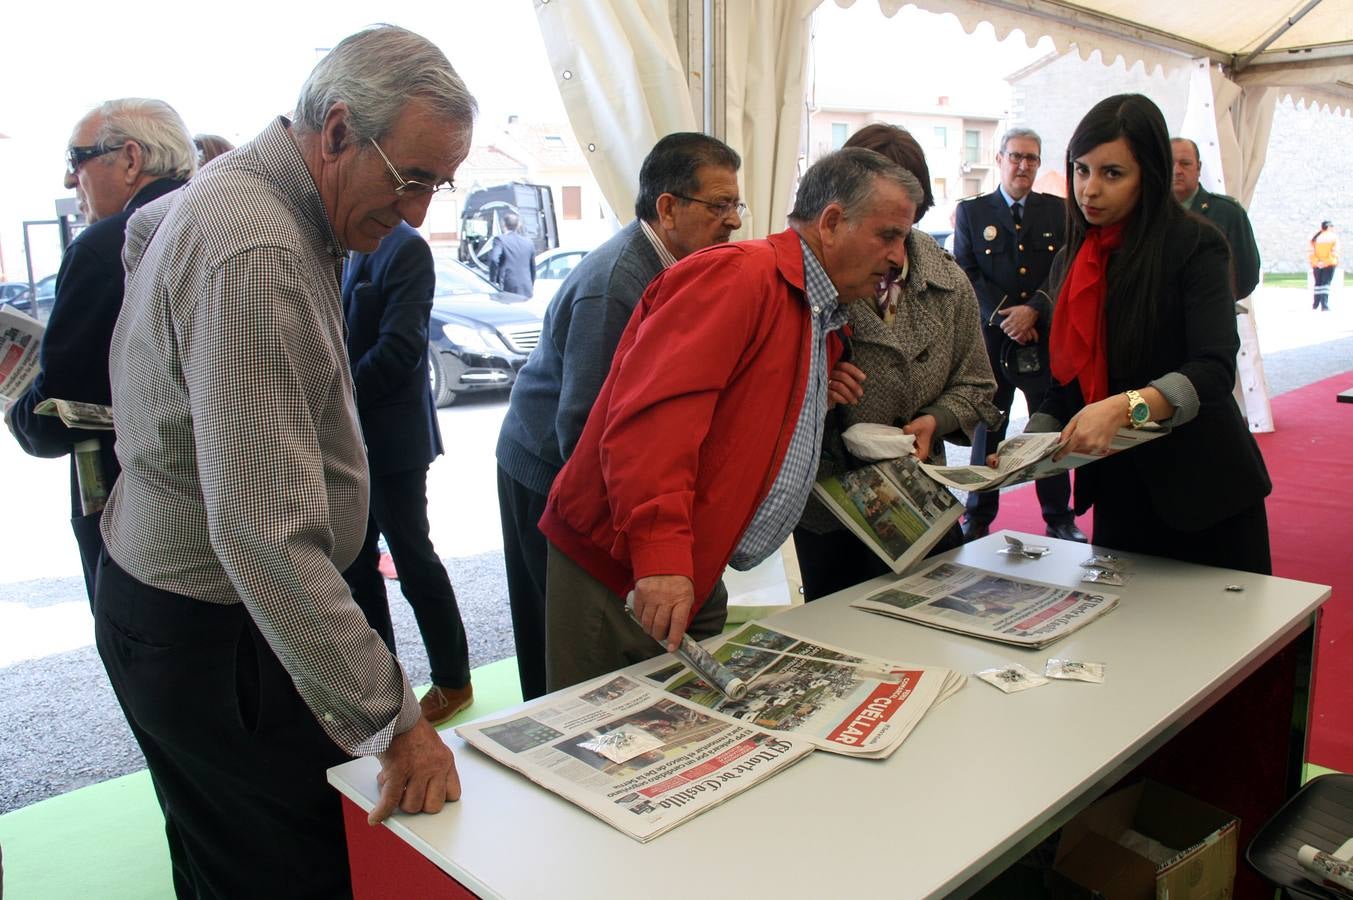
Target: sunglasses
<point>78,156</point>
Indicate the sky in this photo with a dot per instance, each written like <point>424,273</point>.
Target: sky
<point>229,69</point>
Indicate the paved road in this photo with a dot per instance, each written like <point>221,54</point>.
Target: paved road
<point>63,728</point>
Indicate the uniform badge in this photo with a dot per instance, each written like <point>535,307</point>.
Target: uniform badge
<point>989,232</point>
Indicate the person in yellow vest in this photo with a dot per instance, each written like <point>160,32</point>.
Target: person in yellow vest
<point>1324,260</point>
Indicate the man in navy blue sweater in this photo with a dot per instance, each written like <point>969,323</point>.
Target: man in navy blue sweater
<point>122,155</point>
<point>688,200</point>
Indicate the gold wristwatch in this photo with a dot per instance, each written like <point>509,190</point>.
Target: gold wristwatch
<point>1139,412</point>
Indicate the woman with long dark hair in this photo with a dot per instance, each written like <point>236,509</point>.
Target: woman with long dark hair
<point>1144,332</point>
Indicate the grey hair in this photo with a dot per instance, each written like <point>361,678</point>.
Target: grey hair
<point>1015,133</point>
<point>376,72</point>
<point>167,149</point>
<point>847,177</point>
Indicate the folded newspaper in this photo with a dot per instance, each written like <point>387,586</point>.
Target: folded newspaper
<point>1028,456</point>
<point>74,414</point>
<point>20,336</point>
<point>840,701</point>
<point>893,506</point>
<point>984,604</point>
<point>639,759</point>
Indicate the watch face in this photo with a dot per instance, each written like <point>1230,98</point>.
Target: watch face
<point>1141,413</point>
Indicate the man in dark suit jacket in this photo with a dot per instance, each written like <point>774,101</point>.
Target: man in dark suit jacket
<point>122,155</point>
<point>387,300</point>
<point>1005,242</point>
<point>512,259</point>
<point>1223,211</point>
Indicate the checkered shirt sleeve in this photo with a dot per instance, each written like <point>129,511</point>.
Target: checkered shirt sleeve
<point>244,473</point>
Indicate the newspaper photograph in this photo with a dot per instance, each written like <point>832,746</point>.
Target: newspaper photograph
<point>1026,457</point>
<point>20,336</point>
<point>987,605</point>
<point>841,702</point>
<point>639,759</point>
<point>893,506</point>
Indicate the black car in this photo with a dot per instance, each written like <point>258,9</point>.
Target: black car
<point>19,295</point>
<point>479,337</point>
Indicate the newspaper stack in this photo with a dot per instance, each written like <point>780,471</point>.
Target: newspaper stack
<point>639,759</point>
<point>839,701</point>
<point>983,604</point>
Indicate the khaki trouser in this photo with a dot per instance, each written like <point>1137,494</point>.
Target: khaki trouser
<point>588,633</point>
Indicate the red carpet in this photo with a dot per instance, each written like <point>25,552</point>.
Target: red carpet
<point>1310,458</point>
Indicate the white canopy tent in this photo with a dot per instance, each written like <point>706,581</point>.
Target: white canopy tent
<point>630,71</point>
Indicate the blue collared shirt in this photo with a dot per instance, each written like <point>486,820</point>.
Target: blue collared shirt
<point>783,506</point>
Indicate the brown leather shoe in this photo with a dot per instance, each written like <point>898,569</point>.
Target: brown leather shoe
<point>441,703</point>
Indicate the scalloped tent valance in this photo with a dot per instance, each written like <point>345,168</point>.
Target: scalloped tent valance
<point>1304,48</point>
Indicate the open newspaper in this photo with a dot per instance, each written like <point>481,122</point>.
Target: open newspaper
<point>842,702</point>
<point>20,336</point>
<point>984,604</point>
<point>893,506</point>
<point>640,759</point>
<point>1028,456</point>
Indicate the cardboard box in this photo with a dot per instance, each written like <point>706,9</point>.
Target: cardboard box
<point>1147,841</point>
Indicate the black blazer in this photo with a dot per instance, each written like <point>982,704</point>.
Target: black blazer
<point>74,352</point>
<point>387,300</point>
<point>1003,264</point>
<point>1209,468</point>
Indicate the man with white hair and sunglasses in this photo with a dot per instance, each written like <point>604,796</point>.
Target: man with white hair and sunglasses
<point>122,155</point>
<point>233,643</point>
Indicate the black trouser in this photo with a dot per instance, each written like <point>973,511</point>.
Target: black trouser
<point>1054,493</point>
<point>524,554</point>
<point>237,759</point>
<point>90,542</point>
<point>399,510</point>
<point>1323,277</point>
<point>836,560</point>
<point>1125,520</point>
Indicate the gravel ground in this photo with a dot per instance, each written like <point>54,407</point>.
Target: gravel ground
<point>63,728</point>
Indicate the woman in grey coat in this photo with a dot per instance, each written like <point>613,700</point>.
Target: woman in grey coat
<point>919,345</point>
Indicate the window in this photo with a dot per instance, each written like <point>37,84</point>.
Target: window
<point>840,131</point>
<point>972,187</point>
<point>573,201</point>
<point>940,188</point>
<point>942,135</point>
<point>972,146</point>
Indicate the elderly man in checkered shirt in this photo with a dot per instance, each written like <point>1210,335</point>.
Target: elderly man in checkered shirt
<point>701,448</point>
<point>233,643</point>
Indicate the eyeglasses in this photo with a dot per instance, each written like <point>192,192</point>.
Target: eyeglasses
<point>78,156</point>
<point>1032,159</point>
<point>721,208</point>
<point>410,188</point>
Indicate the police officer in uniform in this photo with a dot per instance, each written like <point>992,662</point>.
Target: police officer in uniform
<point>1224,212</point>
<point>1005,242</point>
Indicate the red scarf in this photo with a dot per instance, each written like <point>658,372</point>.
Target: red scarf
<point>1077,349</point>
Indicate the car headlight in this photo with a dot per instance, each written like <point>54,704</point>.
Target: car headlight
<point>479,340</point>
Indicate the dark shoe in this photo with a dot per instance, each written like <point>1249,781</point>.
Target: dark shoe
<point>440,704</point>
<point>974,530</point>
<point>1067,531</point>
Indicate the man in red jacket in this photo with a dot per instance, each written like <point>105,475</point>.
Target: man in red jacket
<point>701,448</point>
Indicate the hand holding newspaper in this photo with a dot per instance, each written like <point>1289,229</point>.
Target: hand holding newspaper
<point>20,336</point>
<point>840,701</point>
<point>699,660</point>
<point>74,414</point>
<point>1028,456</point>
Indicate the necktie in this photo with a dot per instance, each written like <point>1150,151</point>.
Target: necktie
<point>1015,210</point>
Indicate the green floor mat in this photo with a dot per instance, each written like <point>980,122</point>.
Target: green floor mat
<point>107,840</point>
